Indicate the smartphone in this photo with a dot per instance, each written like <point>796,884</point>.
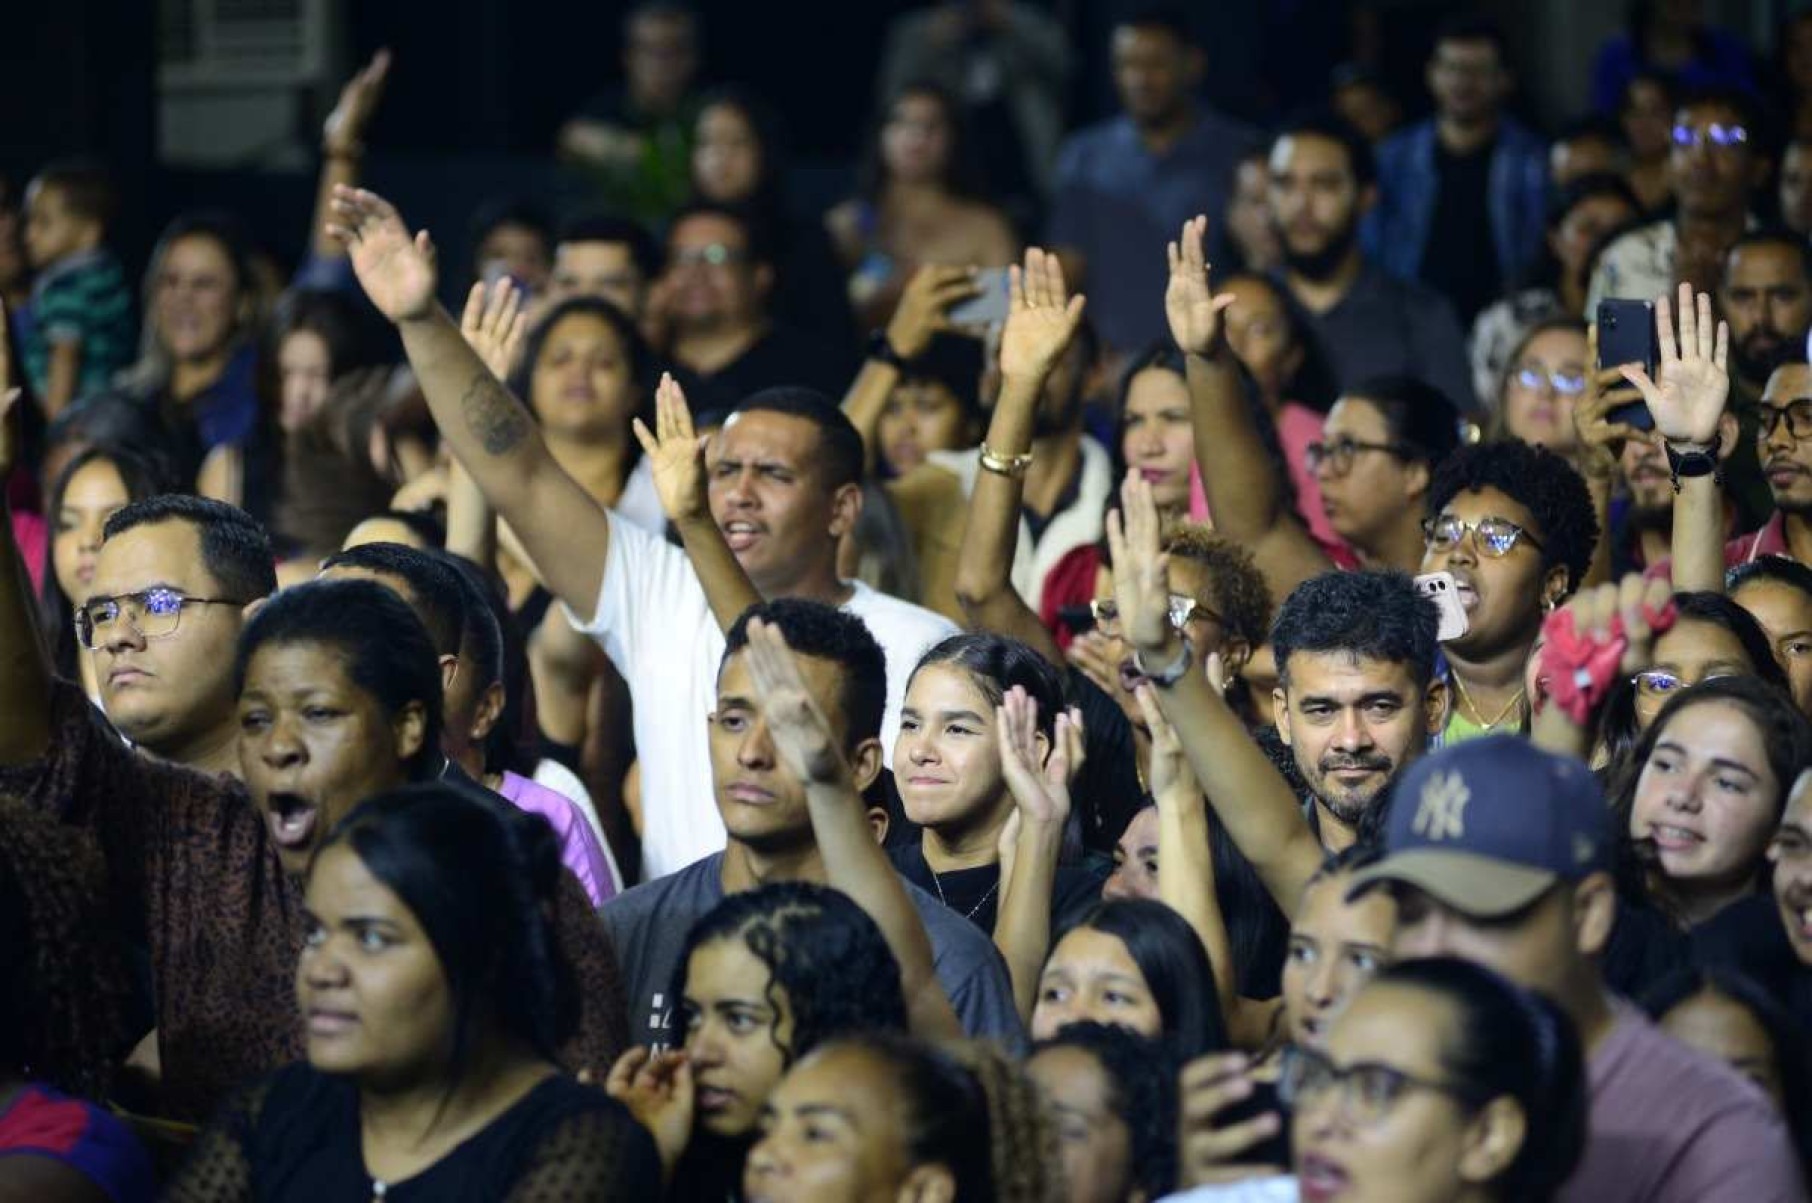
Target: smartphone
<point>989,305</point>
<point>1438,587</point>
<point>1626,334</point>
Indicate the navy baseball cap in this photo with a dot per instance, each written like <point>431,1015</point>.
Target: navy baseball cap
<point>1489,825</point>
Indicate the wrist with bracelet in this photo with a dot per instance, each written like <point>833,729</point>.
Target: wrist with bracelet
<point>1689,460</point>
<point>880,349</point>
<point>1004,465</point>
<point>1165,675</point>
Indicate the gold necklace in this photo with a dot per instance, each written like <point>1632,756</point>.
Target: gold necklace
<point>1479,718</point>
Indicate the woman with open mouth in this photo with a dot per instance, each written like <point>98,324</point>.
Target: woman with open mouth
<point>432,1004</point>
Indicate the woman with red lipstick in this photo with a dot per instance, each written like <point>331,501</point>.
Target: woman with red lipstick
<point>97,483</point>
<point>432,1000</point>
<point>767,976</point>
<point>1706,787</point>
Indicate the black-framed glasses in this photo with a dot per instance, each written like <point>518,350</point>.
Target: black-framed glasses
<point>1565,384</point>
<point>1797,414</point>
<point>715,254</point>
<point>1180,609</point>
<point>1366,1091</point>
<point>1724,137</point>
<point>1338,455</point>
<point>1494,537</point>
<point>154,613</point>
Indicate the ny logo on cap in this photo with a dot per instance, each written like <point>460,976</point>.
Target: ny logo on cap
<point>1441,811</point>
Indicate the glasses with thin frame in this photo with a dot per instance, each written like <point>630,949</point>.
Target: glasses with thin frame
<point>154,613</point>
<point>1181,611</point>
<point>1494,537</point>
<point>1365,1091</point>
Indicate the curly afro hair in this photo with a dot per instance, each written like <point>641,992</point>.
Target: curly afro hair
<point>1536,479</point>
<point>821,950</point>
<point>1239,593</point>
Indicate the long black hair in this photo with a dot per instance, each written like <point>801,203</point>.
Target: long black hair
<point>1511,1042</point>
<point>480,877</point>
<point>1142,1094</point>
<point>1175,967</point>
<point>964,174</point>
<point>143,477</point>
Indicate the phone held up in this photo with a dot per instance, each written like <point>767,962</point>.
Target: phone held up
<point>1626,334</point>
<point>1439,588</point>
<point>990,303</point>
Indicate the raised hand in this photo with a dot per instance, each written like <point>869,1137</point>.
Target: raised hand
<point>676,454</point>
<point>924,307</point>
<point>1688,399</point>
<point>1170,775</point>
<point>658,1090</point>
<point>494,325</point>
<point>343,133</point>
<point>1038,776</point>
<point>1189,300</point>
<point>1600,636</point>
<point>1208,1148</point>
<point>801,734</point>
<point>396,271</point>
<point>1041,318</point>
<point>1601,439</point>
<point>1141,570</point>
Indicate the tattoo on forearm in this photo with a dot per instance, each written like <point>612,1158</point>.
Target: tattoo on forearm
<point>497,418</point>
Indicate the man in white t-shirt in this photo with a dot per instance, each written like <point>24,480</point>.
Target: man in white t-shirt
<point>784,484</point>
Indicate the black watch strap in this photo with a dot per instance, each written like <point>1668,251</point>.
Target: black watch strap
<point>881,350</point>
<point>1684,465</point>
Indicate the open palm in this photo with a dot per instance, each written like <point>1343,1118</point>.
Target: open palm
<point>1692,385</point>
<point>396,271</point>
<point>1190,305</point>
<point>676,454</point>
<point>1041,319</point>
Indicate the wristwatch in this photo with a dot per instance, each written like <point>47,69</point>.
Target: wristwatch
<point>881,350</point>
<point>1170,673</point>
<point>1700,461</point>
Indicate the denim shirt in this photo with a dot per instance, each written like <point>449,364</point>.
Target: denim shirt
<point>1396,232</point>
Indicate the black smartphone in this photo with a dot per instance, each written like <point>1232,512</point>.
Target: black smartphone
<point>1626,334</point>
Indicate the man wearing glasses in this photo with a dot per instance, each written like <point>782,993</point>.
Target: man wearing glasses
<point>162,619</point>
<point>1784,445</point>
<point>713,305</point>
<point>1715,165</point>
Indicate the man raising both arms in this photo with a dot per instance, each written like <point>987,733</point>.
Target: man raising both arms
<point>784,483</point>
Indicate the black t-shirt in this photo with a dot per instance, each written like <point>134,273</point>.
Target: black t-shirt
<point>1461,257</point>
<point>975,893</point>
<point>783,356</point>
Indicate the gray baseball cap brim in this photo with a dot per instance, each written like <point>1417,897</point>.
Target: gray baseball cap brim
<point>1473,885</point>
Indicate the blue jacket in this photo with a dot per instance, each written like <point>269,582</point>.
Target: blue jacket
<point>1396,233</point>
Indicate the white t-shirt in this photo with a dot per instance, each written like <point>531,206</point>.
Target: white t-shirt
<point>655,625</point>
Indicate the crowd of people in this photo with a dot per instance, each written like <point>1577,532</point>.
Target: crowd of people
<point>1167,659</point>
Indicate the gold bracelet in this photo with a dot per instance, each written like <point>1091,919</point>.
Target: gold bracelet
<point>1005,465</point>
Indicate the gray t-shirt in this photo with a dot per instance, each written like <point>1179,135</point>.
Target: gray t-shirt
<point>648,925</point>
<point>1671,1125</point>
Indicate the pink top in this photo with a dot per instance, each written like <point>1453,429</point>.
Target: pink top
<point>1297,427</point>
<point>579,849</point>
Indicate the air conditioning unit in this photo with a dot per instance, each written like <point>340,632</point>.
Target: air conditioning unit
<point>233,76</point>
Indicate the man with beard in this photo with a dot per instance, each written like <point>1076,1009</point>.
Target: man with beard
<point>1357,701</point>
<point>1124,184</point>
<point>1784,444</point>
<point>1323,182</point>
<point>1765,294</point>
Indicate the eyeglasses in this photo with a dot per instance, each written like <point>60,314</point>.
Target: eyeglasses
<point>1367,1091</point>
<point>153,613</point>
<point>1181,611</point>
<point>1723,137</point>
<point>1494,537</point>
<point>1659,683</point>
<point>714,255</point>
<point>1338,455</point>
<point>1796,414</point>
<point>1564,384</point>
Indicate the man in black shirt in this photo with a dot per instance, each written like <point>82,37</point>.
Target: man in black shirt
<point>712,301</point>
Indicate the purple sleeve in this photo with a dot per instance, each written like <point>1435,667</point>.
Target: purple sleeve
<point>579,849</point>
